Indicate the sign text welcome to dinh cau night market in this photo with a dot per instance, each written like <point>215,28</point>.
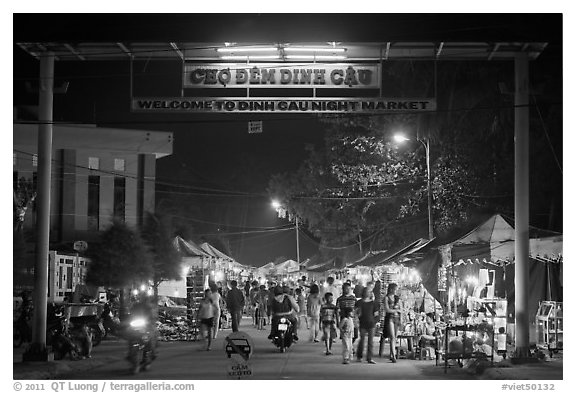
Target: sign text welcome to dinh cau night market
<point>335,76</point>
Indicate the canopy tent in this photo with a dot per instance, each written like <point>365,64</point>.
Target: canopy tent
<point>289,266</point>
<point>321,266</point>
<point>409,253</point>
<point>490,246</point>
<point>192,255</point>
<point>264,271</point>
<point>213,251</point>
<point>493,241</point>
<point>189,247</point>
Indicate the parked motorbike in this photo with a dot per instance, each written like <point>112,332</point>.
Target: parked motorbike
<point>60,339</point>
<point>110,322</point>
<point>140,344</point>
<point>284,336</point>
<point>22,332</point>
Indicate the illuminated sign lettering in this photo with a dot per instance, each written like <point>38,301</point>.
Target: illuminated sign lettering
<point>282,105</point>
<point>366,76</point>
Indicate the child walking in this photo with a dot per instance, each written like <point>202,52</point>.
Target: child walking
<point>328,320</point>
<point>301,301</point>
<point>346,333</point>
<point>206,317</point>
<point>313,308</point>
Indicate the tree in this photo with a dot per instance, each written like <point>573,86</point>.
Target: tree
<point>166,261</point>
<point>119,259</point>
<point>24,195</point>
<point>360,184</point>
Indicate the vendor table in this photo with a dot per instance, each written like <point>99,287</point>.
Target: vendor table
<point>409,342</point>
<point>467,331</point>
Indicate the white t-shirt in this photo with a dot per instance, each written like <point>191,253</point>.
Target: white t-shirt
<point>215,296</point>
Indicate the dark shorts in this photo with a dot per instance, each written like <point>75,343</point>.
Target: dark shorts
<point>208,322</point>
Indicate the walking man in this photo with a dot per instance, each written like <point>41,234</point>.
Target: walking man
<point>235,304</point>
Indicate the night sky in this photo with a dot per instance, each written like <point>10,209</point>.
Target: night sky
<point>216,152</point>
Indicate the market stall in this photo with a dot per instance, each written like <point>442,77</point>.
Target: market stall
<point>480,265</point>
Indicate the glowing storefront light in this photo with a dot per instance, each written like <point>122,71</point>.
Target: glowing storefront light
<point>251,57</point>
<point>232,49</point>
<point>313,49</point>
<point>315,57</point>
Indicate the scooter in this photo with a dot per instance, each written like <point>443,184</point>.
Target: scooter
<point>60,339</point>
<point>140,345</point>
<point>284,336</point>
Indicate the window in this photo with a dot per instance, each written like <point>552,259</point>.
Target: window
<point>93,163</point>
<point>93,202</point>
<point>119,164</point>
<point>69,277</point>
<point>35,160</point>
<point>120,198</point>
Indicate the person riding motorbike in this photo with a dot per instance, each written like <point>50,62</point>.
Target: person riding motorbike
<point>143,308</point>
<point>283,305</point>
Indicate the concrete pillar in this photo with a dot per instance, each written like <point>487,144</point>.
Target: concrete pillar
<point>521,204</point>
<point>37,350</point>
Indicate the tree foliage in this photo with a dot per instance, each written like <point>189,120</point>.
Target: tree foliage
<point>166,262</point>
<point>119,259</point>
<point>360,182</point>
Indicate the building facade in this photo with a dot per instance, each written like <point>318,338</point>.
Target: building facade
<point>98,175</point>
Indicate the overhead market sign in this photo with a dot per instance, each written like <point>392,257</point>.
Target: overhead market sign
<point>366,76</point>
<point>283,105</point>
<point>277,77</point>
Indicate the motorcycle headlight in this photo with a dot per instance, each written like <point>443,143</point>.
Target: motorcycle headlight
<point>282,320</point>
<point>138,322</point>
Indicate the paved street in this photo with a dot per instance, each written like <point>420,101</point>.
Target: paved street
<point>305,360</point>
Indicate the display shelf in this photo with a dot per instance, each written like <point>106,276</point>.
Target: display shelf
<point>550,326</point>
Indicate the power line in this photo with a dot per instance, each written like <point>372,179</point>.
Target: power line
<point>232,193</point>
<point>547,134</point>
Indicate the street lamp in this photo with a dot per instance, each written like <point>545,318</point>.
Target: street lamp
<point>399,138</point>
<point>282,213</point>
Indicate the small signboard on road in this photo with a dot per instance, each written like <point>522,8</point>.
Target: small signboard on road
<point>255,127</point>
<point>238,343</point>
<point>239,370</point>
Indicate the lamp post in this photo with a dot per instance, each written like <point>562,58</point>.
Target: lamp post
<point>401,138</point>
<point>278,207</point>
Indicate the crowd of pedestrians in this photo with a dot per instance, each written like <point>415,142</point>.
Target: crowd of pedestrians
<point>349,311</point>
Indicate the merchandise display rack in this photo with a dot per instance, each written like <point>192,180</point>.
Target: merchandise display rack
<point>194,294</point>
<point>550,326</point>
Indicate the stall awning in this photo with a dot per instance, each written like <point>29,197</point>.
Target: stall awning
<point>321,267</point>
<point>213,251</point>
<point>189,248</point>
<point>404,254</point>
<point>493,242</point>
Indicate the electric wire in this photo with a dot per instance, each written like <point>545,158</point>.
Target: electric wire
<point>545,129</point>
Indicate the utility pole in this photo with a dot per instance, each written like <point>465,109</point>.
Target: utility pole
<point>297,241</point>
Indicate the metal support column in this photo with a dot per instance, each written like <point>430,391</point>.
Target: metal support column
<point>38,350</point>
<point>521,204</point>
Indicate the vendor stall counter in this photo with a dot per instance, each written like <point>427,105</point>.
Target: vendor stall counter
<point>468,342</point>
